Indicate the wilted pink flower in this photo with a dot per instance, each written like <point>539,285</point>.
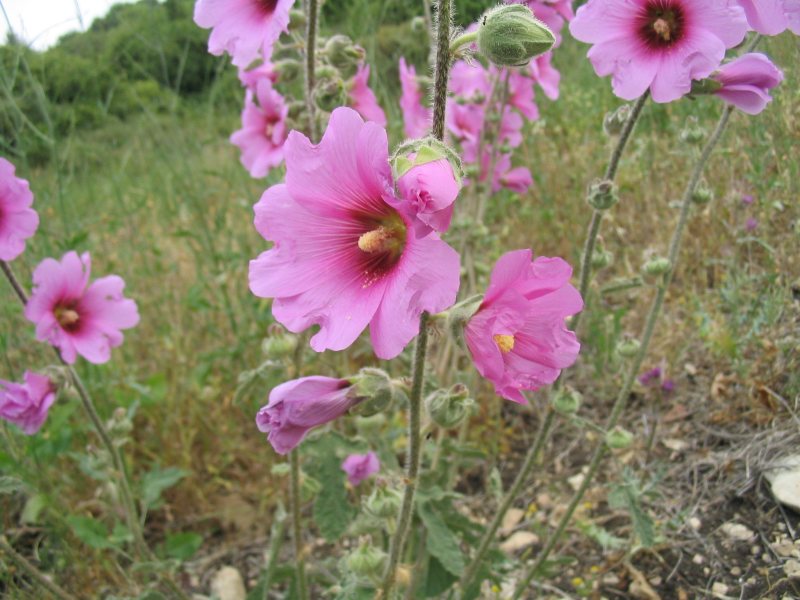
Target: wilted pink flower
<point>263,131</point>
<point>546,75</point>
<point>746,82</point>
<point>18,221</point>
<point>416,117</point>
<point>748,199</point>
<point>26,404</point>
<point>296,407</point>
<point>245,29</point>
<point>431,189</point>
<point>343,257</point>
<point>668,386</point>
<point>658,44</point>
<point>650,376</point>
<point>264,71</point>
<point>771,17</point>
<point>75,318</point>
<point>517,337</point>
<point>363,99</point>
<point>751,224</point>
<point>360,467</point>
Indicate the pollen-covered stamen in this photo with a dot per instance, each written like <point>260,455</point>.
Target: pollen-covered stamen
<point>375,240</point>
<point>67,317</point>
<point>662,23</point>
<point>504,342</point>
<point>662,29</point>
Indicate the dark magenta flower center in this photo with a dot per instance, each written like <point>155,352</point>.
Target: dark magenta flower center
<point>662,23</point>
<point>381,244</point>
<point>67,316</point>
<point>268,6</point>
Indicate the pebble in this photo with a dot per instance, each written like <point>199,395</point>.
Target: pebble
<point>784,481</point>
<point>698,559</point>
<point>736,572</point>
<point>695,523</point>
<point>719,589</point>
<point>228,584</point>
<point>792,569</point>
<point>737,532</point>
<point>519,541</point>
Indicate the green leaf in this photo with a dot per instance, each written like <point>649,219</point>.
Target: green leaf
<point>156,481</point>
<point>182,546</point>
<point>10,485</point>
<point>90,531</point>
<point>441,542</point>
<point>33,508</point>
<point>628,496</point>
<point>439,579</point>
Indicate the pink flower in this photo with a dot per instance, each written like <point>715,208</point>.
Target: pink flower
<point>296,407</point>
<point>547,76</point>
<point>342,257</point>
<point>658,44</point>
<point>245,29</point>
<point>751,224</point>
<point>746,82</point>
<point>516,179</point>
<point>431,189</point>
<point>363,99</point>
<point>416,117</point>
<point>771,17</point>
<point>18,221</point>
<point>470,81</point>
<point>26,404</point>
<point>518,338</point>
<point>75,318</point>
<point>360,467</point>
<point>554,13</point>
<point>263,131</point>
<point>264,71</point>
<point>465,121</point>
<point>521,94</point>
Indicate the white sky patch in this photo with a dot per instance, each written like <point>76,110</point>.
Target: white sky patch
<point>41,22</point>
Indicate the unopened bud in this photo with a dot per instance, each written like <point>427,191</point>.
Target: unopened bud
<point>279,344</point>
<point>614,122</point>
<point>383,502</point>
<point>367,561</point>
<point>343,54</point>
<point>330,94</point>
<point>376,390</point>
<point>657,266</point>
<point>422,151</point>
<point>288,69</point>
<point>509,35</point>
<point>448,408</point>
<point>297,19</point>
<point>309,487</point>
<point>619,438</point>
<point>567,401</point>
<point>418,24</point>
<point>461,313</point>
<point>693,134</point>
<point>702,195</point>
<point>601,259</point>
<point>628,348</point>
<point>602,195</point>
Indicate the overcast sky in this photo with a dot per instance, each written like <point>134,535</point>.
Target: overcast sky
<point>41,22</point>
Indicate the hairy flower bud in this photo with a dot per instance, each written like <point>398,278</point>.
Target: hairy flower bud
<point>343,54</point>
<point>383,502</point>
<point>509,35</point>
<point>657,266</point>
<point>279,344</point>
<point>602,194</point>
<point>628,347</point>
<point>614,122</point>
<point>376,389</point>
<point>448,408</point>
<point>567,401</point>
<point>288,69</point>
<point>418,24</point>
<point>693,134</point>
<point>601,258</point>
<point>702,195</point>
<point>619,438</point>
<point>461,313</point>
<point>367,561</point>
<point>297,20</point>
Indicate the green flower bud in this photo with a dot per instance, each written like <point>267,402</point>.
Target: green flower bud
<point>614,122</point>
<point>602,195</point>
<point>376,390</point>
<point>448,408</point>
<point>383,502</point>
<point>509,35</point>
<point>702,195</point>
<point>418,24</point>
<point>309,487</point>
<point>693,135</point>
<point>367,562</point>
<point>567,401</point>
<point>297,109</point>
<point>288,69</point>
<point>461,313</point>
<point>280,469</point>
<point>628,348</point>
<point>279,344</point>
<point>343,54</point>
<point>297,19</point>
<point>619,438</point>
<point>601,258</point>
<point>657,266</point>
<point>425,150</point>
<point>330,94</point>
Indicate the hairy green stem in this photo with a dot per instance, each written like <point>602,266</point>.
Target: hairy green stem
<point>443,60</point>
<point>463,40</point>
<point>311,65</point>
<point>297,532</point>
<point>42,581</point>
<point>277,532</point>
<point>636,363</point>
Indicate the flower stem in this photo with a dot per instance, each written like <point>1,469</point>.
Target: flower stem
<point>297,535</point>
<point>462,40</point>
<point>40,578</point>
<point>443,60</point>
<point>647,335</point>
<point>311,65</point>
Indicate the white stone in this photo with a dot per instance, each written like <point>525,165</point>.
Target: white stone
<point>792,569</point>
<point>511,519</point>
<point>228,584</point>
<point>719,590</point>
<point>737,532</point>
<point>519,541</point>
<point>784,480</point>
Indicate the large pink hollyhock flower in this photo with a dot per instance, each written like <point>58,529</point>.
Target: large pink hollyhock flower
<point>360,467</point>
<point>75,318</point>
<point>546,75</point>
<point>296,407</point>
<point>746,82</point>
<point>416,117</point>
<point>431,189</point>
<point>343,257</point>
<point>771,17</point>
<point>658,44</point>
<point>26,404</point>
<point>516,179</point>
<point>245,29</point>
<point>18,221</point>
<point>263,131</point>
<point>363,99</point>
<point>517,337</point>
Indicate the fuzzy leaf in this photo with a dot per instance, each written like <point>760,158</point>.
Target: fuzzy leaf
<point>442,543</point>
<point>158,480</point>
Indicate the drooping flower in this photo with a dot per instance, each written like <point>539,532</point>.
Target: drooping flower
<point>363,99</point>
<point>18,221</point>
<point>431,188</point>
<point>263,131</point>
<point>298,406</point>
<point>245,29</point>
<point>746,82</point>
<point>416,117</point>
<point>343,258</point>
<point>518,338</point>
<point>650,376</point>
<point>771,17</point>
<point>360,467</point>
<point>658,44</point>
<point>26,404</point>
<point>77,317</point>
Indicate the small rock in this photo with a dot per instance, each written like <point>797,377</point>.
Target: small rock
<point>511,519</point>
<point>792,569</point>
<point>719,589</point>
<point>786,549</point>
<point>766,557</point>
<point>576,481</point>
<point>695,523</point>
<point>611,579</point>
<point>228,584</point>
<point>736,572</point>
<point>784,481</point>
<point>737,532</point>
<point>675,444</point>
<point>755,549</point>
<point>519,541</point>
<point>698,559</point>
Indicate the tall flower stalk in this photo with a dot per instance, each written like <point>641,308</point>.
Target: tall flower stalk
<point>636,363</point>
<point>311,65</point>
